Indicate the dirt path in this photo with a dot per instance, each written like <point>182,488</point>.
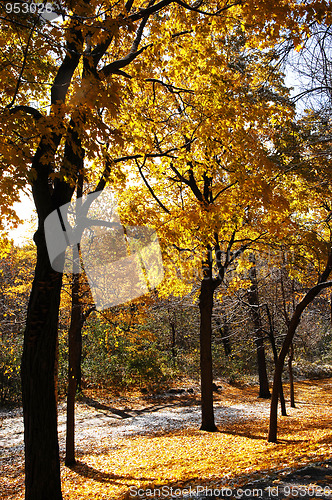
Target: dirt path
<point>100,422</point>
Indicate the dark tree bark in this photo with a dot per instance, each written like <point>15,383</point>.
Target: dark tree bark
<point>275,358</point>
<point>75,350</point>
<point>208,286</point>
<point>205,307</point>
<point>291,377</point>
<point>172,323</point>
<point>173,343</point>
<point>224,334</point>
<point>264,391</point>
<point>39,359</point>
<point>38,373</point>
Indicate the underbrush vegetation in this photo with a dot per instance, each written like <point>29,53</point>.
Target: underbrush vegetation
<point>153,347</point>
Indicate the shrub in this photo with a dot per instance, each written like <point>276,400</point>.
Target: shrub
<point>10,356</point>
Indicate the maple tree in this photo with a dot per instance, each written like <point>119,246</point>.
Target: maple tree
<point>62,88</point>
<point>207,193</point>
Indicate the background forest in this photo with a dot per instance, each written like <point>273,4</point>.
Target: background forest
<point>152,344</point>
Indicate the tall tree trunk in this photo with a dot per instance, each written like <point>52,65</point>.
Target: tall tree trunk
<point>224,334</point>
<point>264,391</point>
<point>75,349</point>
<point>173,342</point>
<point>38,374</point>
<point>291,377</point>
<point>74,337</point>
<point>205,307</point>
<point>275,358</point>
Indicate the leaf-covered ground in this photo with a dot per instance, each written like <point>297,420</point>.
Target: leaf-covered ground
<point>130,443</point>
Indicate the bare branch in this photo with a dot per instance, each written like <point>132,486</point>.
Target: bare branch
<point>170,87</point>
<point>205,13</point>
<point>154,196</point>
<point>27,109</point>
<point>224,189</point>
<point>313,90</point>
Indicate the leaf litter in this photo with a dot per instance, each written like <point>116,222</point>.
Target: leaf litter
<point>127,444</point>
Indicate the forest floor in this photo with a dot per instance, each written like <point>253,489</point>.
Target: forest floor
<point>135,447</point>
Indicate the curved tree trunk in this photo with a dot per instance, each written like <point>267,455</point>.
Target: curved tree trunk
<point>38,374</point>
<point>295,319</point>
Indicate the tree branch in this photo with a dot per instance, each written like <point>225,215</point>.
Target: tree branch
<point>327,271</point>
<point>65,72</point>
<point>149,10</point>
<point>170,87</point>
<point>193,186</point>
<point>129,5</point>
<point>196,9</point>
<point>27,109</point>
<point>150,189</point>
<point>133,53</point>
<point>87,313</point>
<point>223,190</point>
